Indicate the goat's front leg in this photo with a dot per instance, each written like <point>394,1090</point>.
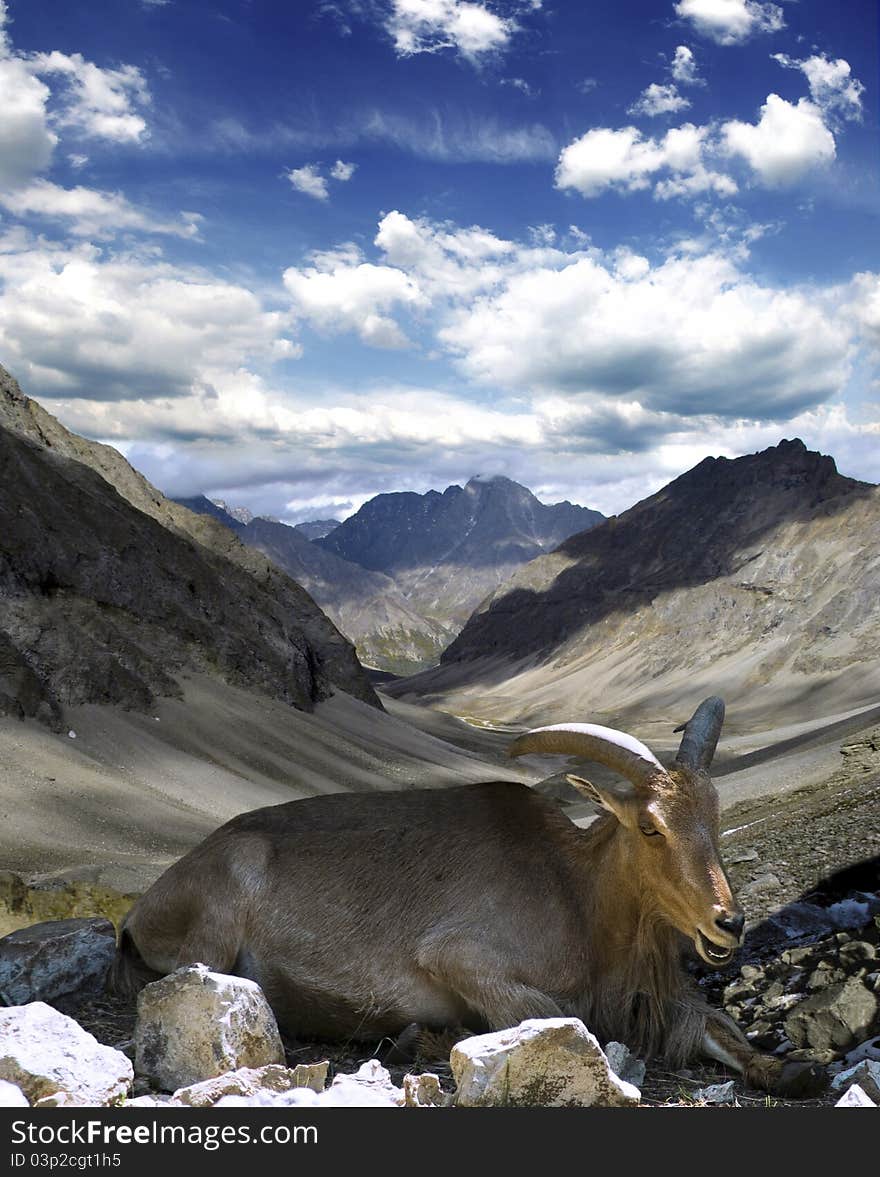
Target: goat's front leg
<point>724,1042</point>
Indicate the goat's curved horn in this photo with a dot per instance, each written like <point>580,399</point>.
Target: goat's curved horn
<point>701,734</point>
<point>590,741</point>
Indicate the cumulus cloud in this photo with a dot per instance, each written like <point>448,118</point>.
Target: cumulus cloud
<point>99,103</point>
<point>341,292</point>
<point>26,139</point>
<point>832,87</point>
<point>788,141</point>
<point>342,171</point>
<point>309,181</point>
<point>730,22</point>
<point>659,99</point>
<point>684,67</point>
<point>428,26</point>
<point>79,325</point>
<point>628,161</point>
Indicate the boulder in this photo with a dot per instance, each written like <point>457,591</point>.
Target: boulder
<point>47,960</point>
<point>855,1098</point>
<point>542,1062</point>
<point>866,1073</point>
<point>194,1025</point>
<point>50,1057</point>
<point>250,1081</point>
<point>834,1018</point>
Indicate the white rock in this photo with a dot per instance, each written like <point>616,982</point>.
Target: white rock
<point>855,1098</point>
<point>12,1096</point>
<point>250,1081</point>
<point>866,1073</point>
<point>543,1062</point>
<point>715,1093</point>
<point>48,1054</point>
<point>195,1025</point>
<point>369,1087</point>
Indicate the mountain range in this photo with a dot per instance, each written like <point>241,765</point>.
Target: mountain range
<point>401,576</point>
<point>756,577</point>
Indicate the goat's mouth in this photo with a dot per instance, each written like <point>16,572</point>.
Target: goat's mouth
<point>712,953</point>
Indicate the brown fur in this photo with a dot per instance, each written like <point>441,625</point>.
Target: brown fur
<point>480,905</point>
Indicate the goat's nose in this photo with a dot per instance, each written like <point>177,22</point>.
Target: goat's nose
<point>733,924</point>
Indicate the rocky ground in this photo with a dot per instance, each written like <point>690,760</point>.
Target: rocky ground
<point>806,983</point>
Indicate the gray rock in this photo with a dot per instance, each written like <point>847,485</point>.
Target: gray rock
<point>867,1049</point>
<point>50,1057</point>
<point>249,1081</point>
<point>47,960</point>
<point>195,1025</point>
<point>717,1093</point>
<point>624,1063</point>
<point>855,1098</point>
<point>866,1073</point>
<point>834,1018</point>
<point>12,1096</point>
<point>543,1062</point>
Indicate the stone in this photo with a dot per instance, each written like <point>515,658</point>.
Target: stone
<point>834,1018</point>
<point>12,1096</point>
<point>624,1063</point>
<point>48,960</point>
<point>868,1049</point>
<point>423,1091</point>
<point>855,1098</point>
<point>48,1054</point>
<point>717,1093</point>
<point>542,1062</point>
<point>866,1073</point>
<point>369,1087</point>
<point>250,1081</point>
<point>194,1025</point>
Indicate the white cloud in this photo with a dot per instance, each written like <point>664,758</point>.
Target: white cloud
<point>100,103</point>
<point>787,142</point>
<point>75,324</point>
<point>629,161</point>
<point>832,87</point>
<point>659,99</point>
<point>684,67</point>
<point>90,213</point>
<point>343,171</point>
<point>730,22</point>
<point>340,292</point>
<point>309,181</point>
<point>428,26</point>
<point>689,335</point>
<point>26,140</point>
<point>473,138</point>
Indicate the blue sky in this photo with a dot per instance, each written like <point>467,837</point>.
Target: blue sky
<point>297,254</point>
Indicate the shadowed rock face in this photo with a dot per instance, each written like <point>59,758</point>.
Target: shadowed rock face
<point>488,522</point>
<point>367,606</point>
<point>711,523</point>
<point>109,591</point>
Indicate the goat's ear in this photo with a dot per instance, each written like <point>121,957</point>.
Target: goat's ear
<point>604,798</point>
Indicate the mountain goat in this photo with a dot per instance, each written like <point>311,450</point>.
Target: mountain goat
<point>479,905</point>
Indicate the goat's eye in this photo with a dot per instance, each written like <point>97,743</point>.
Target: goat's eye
<point>650,831</point>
